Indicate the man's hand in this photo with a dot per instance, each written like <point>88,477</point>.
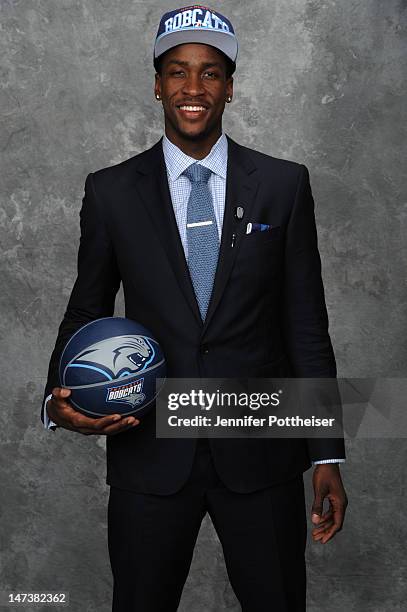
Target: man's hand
<point>327,483</point>
<point>64,415</point>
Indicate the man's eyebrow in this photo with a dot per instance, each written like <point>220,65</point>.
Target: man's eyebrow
<point>204,65</point>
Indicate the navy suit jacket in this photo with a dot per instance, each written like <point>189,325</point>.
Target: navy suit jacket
<point>267,315</point>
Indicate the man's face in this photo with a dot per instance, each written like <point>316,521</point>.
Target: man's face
<point>193,88</point>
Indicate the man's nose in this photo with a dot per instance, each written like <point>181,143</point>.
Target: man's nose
<point>193,85</point>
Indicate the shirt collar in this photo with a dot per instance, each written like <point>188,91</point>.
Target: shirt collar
<point>177,161</point>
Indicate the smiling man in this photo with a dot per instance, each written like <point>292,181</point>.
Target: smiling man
<point>224,301</point>
<point>193,118</point>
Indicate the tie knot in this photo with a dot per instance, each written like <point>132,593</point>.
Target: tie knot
<point>197,173</point>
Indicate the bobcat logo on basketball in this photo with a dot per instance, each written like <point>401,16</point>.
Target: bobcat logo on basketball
<point>116,357</point>
<point>129,394</point>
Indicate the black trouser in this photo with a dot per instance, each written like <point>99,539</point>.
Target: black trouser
<point>152,537</point>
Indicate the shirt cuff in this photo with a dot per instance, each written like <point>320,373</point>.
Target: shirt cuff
<point>48,423</point>
<point>322,461</point>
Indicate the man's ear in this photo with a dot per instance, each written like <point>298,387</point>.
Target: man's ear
<point>157,86</point>
<point>229,86</point>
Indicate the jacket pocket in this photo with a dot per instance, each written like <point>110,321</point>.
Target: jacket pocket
<point>257,240</point>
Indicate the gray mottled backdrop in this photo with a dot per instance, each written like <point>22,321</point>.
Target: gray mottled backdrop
<point>320,82</point>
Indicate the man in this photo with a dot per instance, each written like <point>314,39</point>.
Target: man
<point>171,224</point>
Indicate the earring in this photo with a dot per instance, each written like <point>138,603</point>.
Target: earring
<point>157,97</point>
<point>229,99</point>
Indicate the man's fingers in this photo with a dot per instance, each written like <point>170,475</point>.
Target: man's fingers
<point>100,425</point>
<point>320,530</point>
<point>316,510</point>
<point>60,393</point>
<point>59,401</point>
<point>115,429</point>
<point>57,404</point>
<point>327,515</point>
<point>110,426</point>
<point>324,520</point>
<point>327,533</point>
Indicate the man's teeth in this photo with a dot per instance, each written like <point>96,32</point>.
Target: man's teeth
<point>192,108</point>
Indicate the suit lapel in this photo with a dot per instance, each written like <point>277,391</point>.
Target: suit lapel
<point>241,189</point>
<point>153,189</point>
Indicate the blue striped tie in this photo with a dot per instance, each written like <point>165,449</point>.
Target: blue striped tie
<point>202,235</point>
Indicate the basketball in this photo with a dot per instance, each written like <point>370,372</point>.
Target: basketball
<point>111,366</point>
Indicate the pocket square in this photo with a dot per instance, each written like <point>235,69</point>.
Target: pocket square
<point>257,227</point>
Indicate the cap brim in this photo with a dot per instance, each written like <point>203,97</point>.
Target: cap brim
<point>224,41</point>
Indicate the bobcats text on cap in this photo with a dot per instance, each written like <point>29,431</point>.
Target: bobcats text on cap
<point>200,17</point>
<point>196,24</point>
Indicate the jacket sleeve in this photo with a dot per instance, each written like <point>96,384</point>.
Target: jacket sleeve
<point>98,280</point>
<point>305,315</point>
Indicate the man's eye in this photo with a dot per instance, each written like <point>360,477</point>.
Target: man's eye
<point>211,75</point>
<point>177,72</point>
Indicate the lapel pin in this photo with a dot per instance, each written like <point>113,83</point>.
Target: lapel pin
<point>239,212</point>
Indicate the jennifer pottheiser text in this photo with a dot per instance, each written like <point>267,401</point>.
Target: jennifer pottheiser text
<point>249,421</point>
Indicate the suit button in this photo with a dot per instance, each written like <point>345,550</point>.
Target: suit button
<point>204,349</point>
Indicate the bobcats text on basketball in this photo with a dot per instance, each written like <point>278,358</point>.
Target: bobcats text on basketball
<point>130,393</point>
